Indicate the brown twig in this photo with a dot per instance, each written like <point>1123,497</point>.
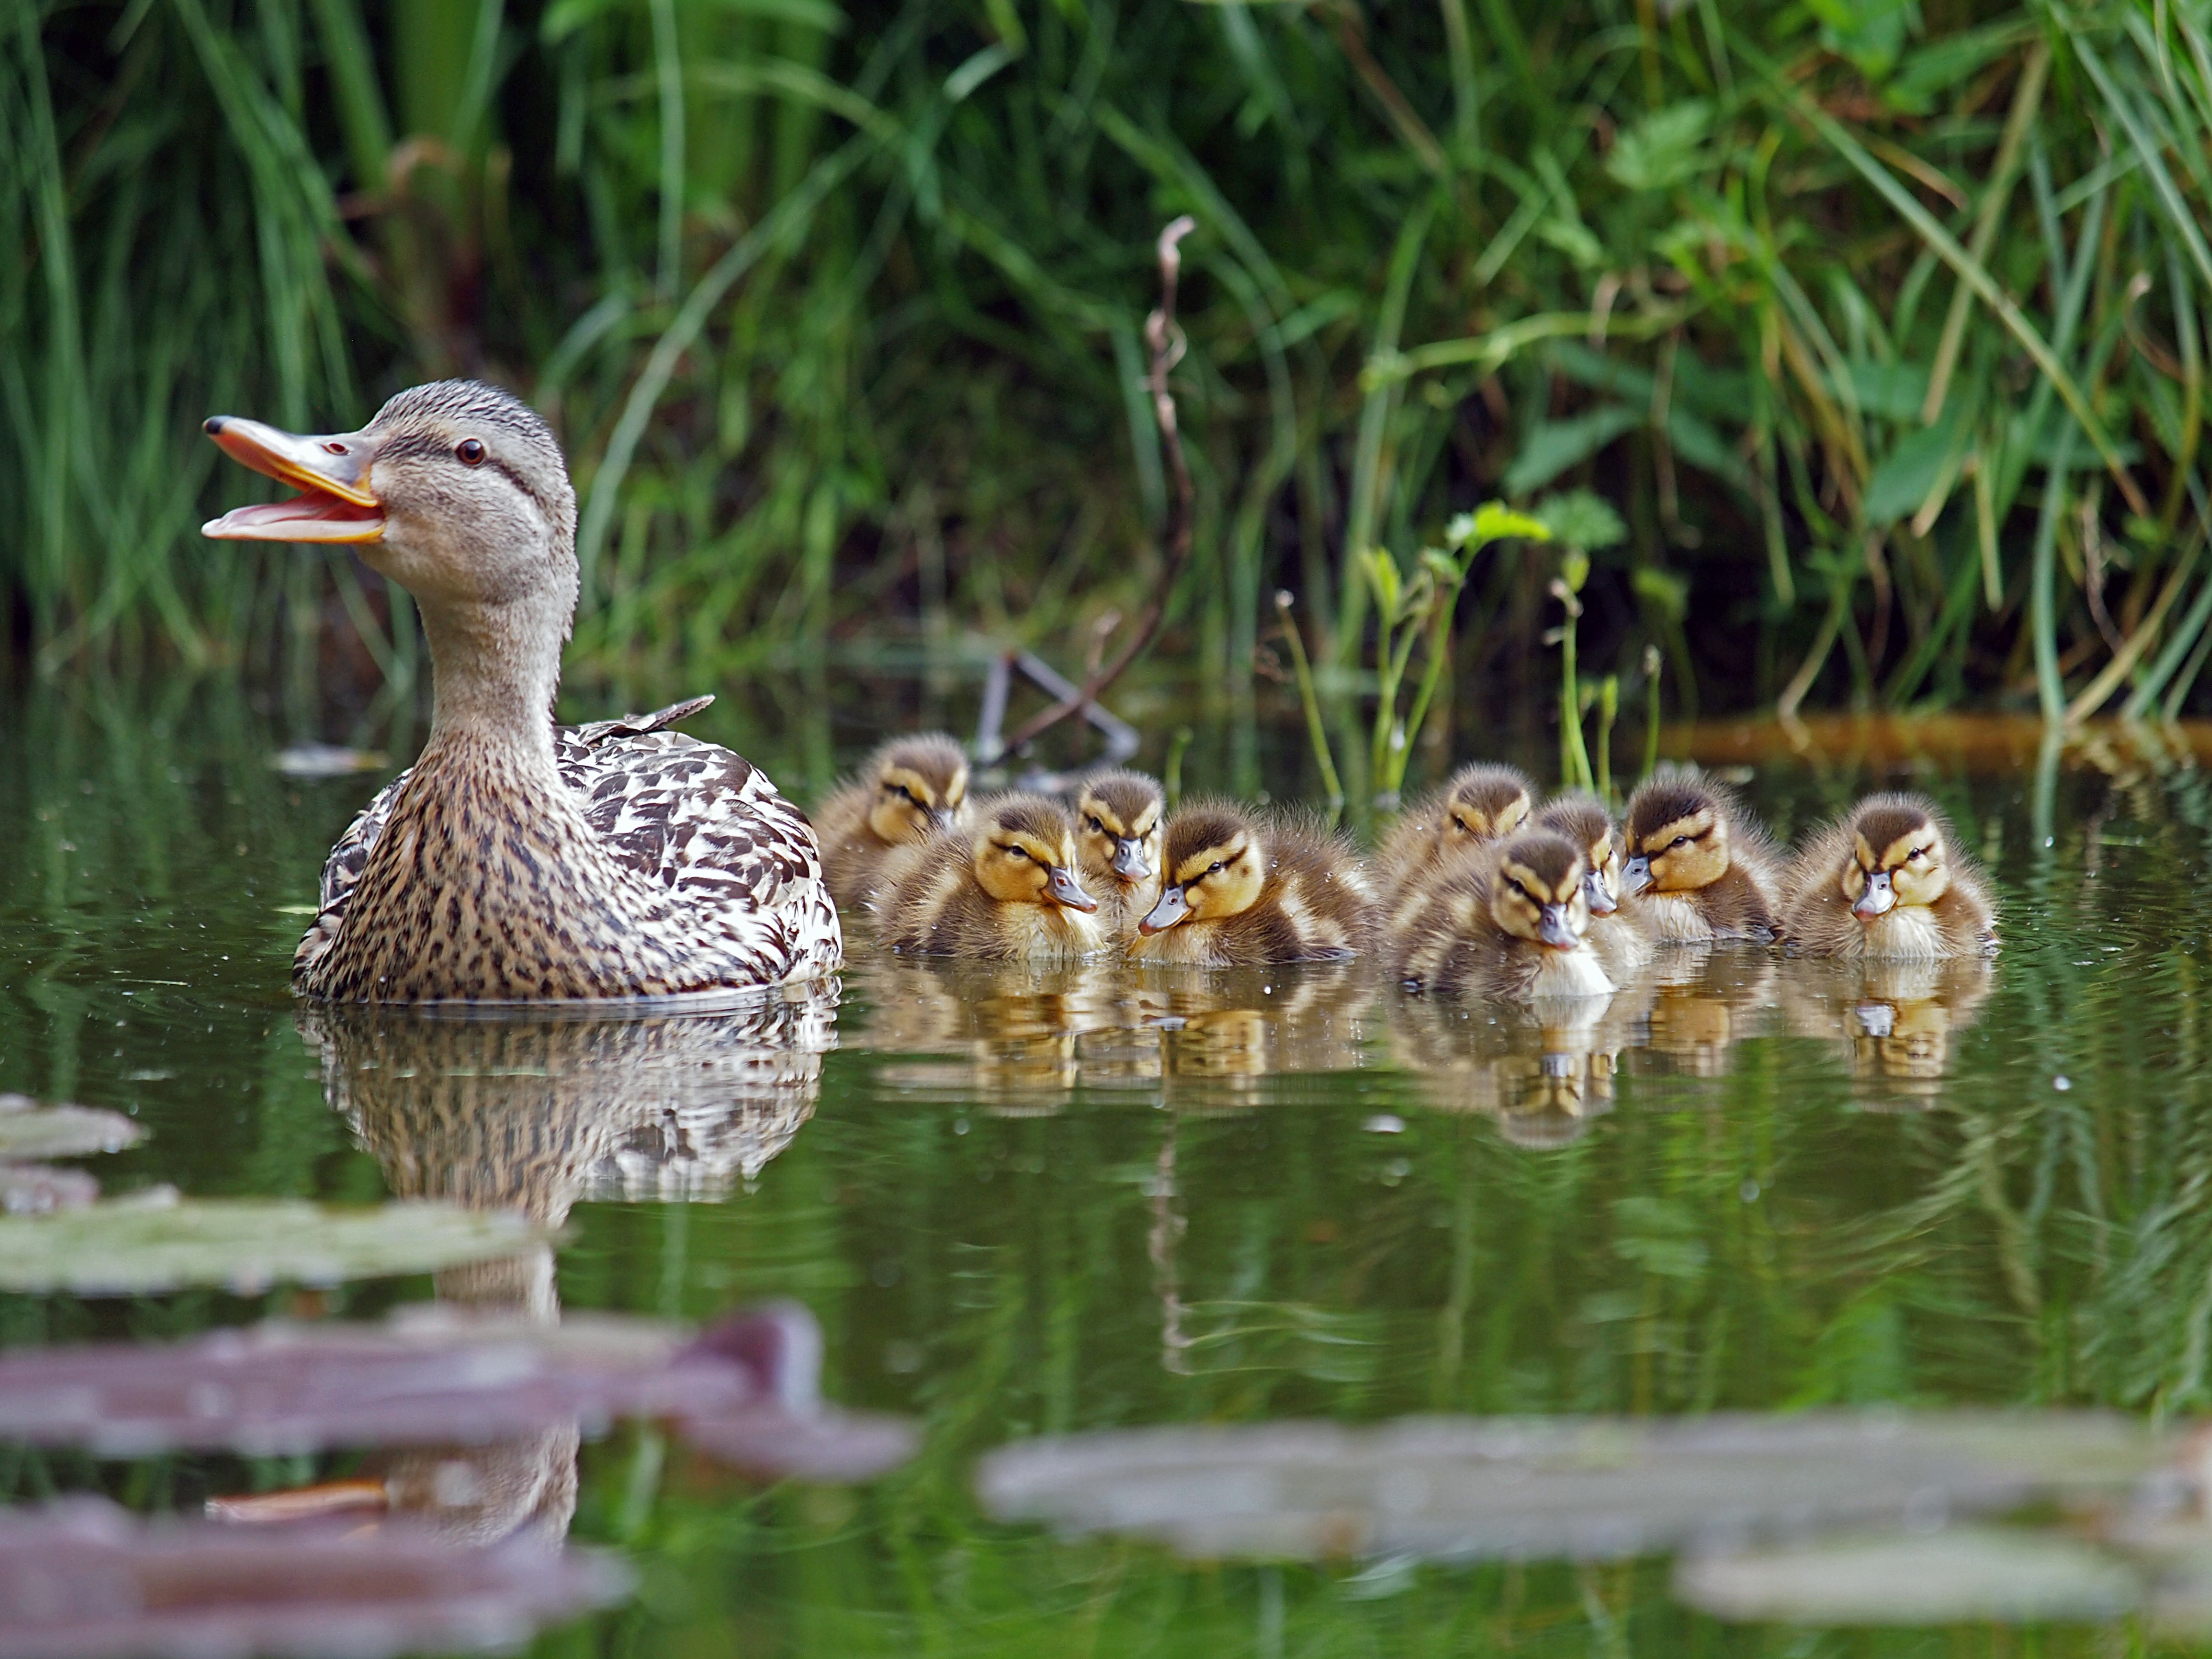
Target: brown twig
<point>1166,342</point>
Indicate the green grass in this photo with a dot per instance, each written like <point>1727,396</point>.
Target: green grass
<point>1879,325</point>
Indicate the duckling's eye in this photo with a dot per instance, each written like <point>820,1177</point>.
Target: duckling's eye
<point>1916,855</point>
<point>1214,868</point>
<point>1679,841</point>
<point>469,451</point>
<point>1095,825</point>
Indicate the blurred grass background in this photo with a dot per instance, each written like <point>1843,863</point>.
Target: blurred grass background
<point>1877,323</point>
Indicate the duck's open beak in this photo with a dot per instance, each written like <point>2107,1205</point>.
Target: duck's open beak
<point>1172,908</point>
<point>1602,902</point>
<point>1554,930</point>
<point>1635,875</point>
<point>332,472</point>
<point>1878,899</point>
<point>1129,862</point>
<point>1065,890</point>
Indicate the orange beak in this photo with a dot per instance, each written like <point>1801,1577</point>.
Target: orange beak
<point>332,472</point>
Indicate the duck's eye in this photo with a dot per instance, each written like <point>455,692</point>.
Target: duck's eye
<point>1095,825</point>
<point>1917,855</point>
<point>469,451</point>
<point>1679,841</point>
<point>1214,868</point>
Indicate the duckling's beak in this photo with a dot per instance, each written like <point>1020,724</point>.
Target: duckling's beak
<point>1635,876</point>
<point>1129,860</point>
<point>332,470</point>
<point>1602,902</point>
<point>1066,890</point>
<point>1172,908</point>
<point>1880,895</point>
<point>1553,930</point>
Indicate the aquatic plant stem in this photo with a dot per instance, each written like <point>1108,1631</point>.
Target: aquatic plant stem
<point>1317,729</point>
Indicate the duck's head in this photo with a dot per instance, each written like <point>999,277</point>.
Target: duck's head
<point>1483,803</point>
<point>1899,855</point>
<point>1023,853</point>
<point>921,784</point>
<point>1678,837</point>
<point>1590,827</point>
<point>456,491</point>
<point>1118,826</point>
<point>1538,891</point>
<point>1212,865</point>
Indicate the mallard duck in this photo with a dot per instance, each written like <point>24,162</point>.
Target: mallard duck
<point>1477,805</point>
<point>1509,922</point>
<point>1615,934</point>
<point>1886,881</point>
<point>1240,891</point>
<point>1699,867</point>
<point>1118,824</point>
<point>910,788</point>
<point>1005,891</point>
<point>494,874</point>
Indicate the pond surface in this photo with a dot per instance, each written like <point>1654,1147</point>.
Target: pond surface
<point>1021,1203</point>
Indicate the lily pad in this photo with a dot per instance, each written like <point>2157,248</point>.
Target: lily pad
<point>82,1577</point>
<point>30,1131</point>
<point>1959,1575</point>
<point>134,1247</point>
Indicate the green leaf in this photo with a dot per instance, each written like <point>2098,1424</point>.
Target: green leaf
<point>1870,32</point>
<point>1663,149</point>
<point>1583,520</point>
<point>1893,391</point>
<point>1493,521</point>
<point>134,1247</point>
<point>1383,580</point>
<point>1904,477</point>
<point>1555,446</point>
<point>1666,592</point>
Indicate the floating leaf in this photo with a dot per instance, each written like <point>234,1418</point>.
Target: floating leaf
<point>1473,1489</point>
<point>82,1577</point>
<point>1964,1574</point>
<point>135,1246</point>
<point>30,1131</point>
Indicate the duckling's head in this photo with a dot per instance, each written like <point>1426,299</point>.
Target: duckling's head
<point>1590,827</point>
<point>1537,891</point>
<point>920,784</point>
<point>1118,826</point>
<point>1023,853</point>
<point>1212,865</point>
<point>1483,803</point>
<point>1678,837</point>
<point>456,491</point>
<point>1898,855</point>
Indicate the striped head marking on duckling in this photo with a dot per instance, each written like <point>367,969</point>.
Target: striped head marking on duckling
<point>1025,853</point>
<point>1590,827</point>
<point>921,784</point>
<point>1213,866</point>
<point>1118,825</point>
<point>1540,892</point>
<point>1678,838</point>
<point>1483,803</point>
<point>1898,857</point>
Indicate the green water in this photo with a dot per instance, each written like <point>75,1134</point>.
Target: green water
<point>1021,1205</point>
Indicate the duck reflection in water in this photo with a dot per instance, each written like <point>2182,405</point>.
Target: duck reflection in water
<point>1543,1070</point>
<point>531,1110</point>
<point>1693,1005</point>
<point>1894,1021</point>
<point>1022,1039</point>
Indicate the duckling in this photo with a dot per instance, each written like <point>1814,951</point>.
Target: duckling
<point>1699,867</point>
<point>1478,804</point>
<point>1615,935</point>
<point>1238,891</point>
<point>1511,923</point>
<point>1005,891</point>
<point>1884,882</point>
<point>910,788</point>
<point>1118,824</point>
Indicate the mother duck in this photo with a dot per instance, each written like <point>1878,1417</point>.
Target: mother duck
<point>514,863</point>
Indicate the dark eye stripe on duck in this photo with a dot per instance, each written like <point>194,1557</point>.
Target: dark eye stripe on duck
<point>415,446</point>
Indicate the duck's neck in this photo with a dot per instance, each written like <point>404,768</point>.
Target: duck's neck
<point>494,670</point>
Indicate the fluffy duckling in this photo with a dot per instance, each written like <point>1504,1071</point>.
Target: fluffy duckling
<point>1478,804</point>
<point>1238,891</point>
<point>1699,868</point>
<point>1118,828</point>
<point>1006,891</point>
<point>1511,923</point>
<point>1884,882</point>
<point>1615,934</point>
<point>910,789</point>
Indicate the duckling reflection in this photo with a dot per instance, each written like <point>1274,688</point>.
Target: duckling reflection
<point>1223,1033</point>
<point>1894,1021</point>
<point>1542,1070</point>
<point>1693,1005</point>
<point>533,1112</point>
